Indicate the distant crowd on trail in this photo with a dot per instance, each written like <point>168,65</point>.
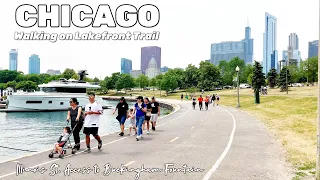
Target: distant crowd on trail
<point>214,100</point>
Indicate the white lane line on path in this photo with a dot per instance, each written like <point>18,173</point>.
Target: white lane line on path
<point>174,139</point>
<point>223,155</point>
<point>9,174</point>
<point>129,163</point>
<point>192,127</point>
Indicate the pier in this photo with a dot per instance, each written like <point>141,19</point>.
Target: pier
<point>221,143</point>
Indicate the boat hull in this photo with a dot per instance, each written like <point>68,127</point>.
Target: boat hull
<point>46,102</point>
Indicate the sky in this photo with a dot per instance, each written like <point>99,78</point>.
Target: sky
<point>187,28</point>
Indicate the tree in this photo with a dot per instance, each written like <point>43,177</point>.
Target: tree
<point>169,82</point>
<point>272,77</point>
<point>233,63</point>
<point>153,83</point>
<point>69,73</point>
<point>209,76</point>
<point>311,66</point>
<point>125,82</point>
<point>284,79</point>
<point>96,79</point>
<point>258,80</point>
<point>142,81</point>
<point>178,73</point>
<point>26,85</point>
<point>2,87</point>
<point>7,75</point>
<point>11,84</point>
<point>190,77</point>
<point>249,80</point>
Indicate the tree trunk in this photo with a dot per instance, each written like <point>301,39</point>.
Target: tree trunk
<point>257,96</point>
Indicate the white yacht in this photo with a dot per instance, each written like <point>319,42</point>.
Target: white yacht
<point>54,96</point>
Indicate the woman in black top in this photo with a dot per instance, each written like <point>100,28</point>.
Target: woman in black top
<point>122,108</point>
<point>147,114</point>
<point>75,115</point>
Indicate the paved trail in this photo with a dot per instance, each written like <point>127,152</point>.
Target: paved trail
<point>222,143</point>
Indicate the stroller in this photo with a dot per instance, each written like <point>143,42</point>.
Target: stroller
<point>65,145</point>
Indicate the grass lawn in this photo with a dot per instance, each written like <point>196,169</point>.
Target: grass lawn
<point>291,118</point>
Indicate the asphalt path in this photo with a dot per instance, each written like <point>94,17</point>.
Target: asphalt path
<point>221,143</point>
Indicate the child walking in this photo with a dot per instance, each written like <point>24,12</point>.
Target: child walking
<point>132,122</point>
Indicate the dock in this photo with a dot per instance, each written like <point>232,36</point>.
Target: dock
<point>221,143</point>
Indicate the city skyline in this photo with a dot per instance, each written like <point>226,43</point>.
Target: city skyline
<point>181,41</point>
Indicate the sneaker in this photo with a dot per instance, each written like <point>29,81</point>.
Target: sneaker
<point>88,150</point>
<point>121,134</point>
<point>137,138</point>
<point>148,132</point>
<point>100,145</point>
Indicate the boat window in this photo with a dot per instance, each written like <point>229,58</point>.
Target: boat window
<point>63,89</point>
<point>33,102</point>
<point>61,103</point>
<point>50,102</point>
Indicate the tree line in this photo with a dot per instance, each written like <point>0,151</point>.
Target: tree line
<point>206,76</point>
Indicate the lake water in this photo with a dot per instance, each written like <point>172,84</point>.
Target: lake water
<point>37,131</point>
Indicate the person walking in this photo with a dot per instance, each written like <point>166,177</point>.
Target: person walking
<point>200,100</point>
<point>93,110</point>
<point>181,97</point>
<point>155,112</point>
<point>206,102</point>
<point>76,117</point>
<point>217,98</point>
<point>139,110</point>
<point>122,108</point>
<point>194,102</point>
<point>147,115</point>
<point>213,100</point>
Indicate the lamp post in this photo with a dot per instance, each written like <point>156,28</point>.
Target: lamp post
<point>238,69</point>
<point>287,76</point>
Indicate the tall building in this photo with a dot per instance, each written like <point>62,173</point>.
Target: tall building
<point>270,53</point>
<point>230,49</point>
<point>126,66</point>
<point>34,64</point>
<point>53,72</point>
<point>313,48</point>
<point>292,54</point>
<point>146,55</point>
<point>13,60</point>
<point>152,70</point>
<point>294,41</point>
<point>135,73</point>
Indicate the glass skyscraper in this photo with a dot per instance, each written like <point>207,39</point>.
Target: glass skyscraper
<point>34,64</point>
<point>126,66</point>
<point>313,49</point>
<point>13,60</point>
<point>147,53</point>
<point>270,53</point>
<point>230,49</point>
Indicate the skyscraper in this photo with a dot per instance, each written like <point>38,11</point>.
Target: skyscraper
<point>147,53</point>
<point>270,53</point>
<point>13,60</point>
<point>313,49</point>
<point>292,54</point>
<point>230,49</point>
<point>34,64</point>
<point>294,41</point>
<point>126,66</point>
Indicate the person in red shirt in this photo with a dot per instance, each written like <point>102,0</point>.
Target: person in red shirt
<point>206,102</point>
<point>200,99</point>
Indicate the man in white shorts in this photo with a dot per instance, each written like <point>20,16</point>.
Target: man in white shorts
<point>155,113</point>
